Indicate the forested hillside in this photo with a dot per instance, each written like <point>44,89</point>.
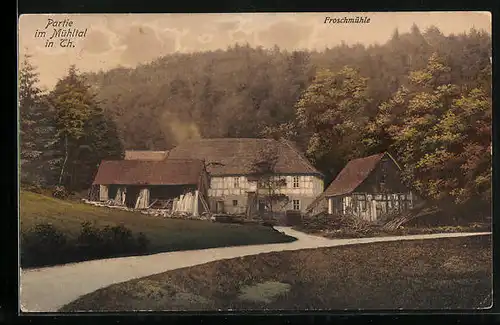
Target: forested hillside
<point>238,91</point>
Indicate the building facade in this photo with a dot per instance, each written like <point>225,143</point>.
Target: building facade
<point>370,188</point>
<point>236,193</point>
<point>236,187</point>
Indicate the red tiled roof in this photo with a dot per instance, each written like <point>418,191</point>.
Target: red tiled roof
<point>236,156</point>
<point>353,174</point>
<point>137,172</point>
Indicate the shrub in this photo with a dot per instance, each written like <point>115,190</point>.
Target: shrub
<point>42,245</point>
<point>109,241</point>
<point>142,243</point>
<point>117,240</point>
<point>46,245</point>
<point>60,192</point>
<point>89,243</point>
<point>32,187</point>
<point>336,222</point>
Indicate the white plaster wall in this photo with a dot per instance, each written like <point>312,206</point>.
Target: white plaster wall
<point>308,186</point>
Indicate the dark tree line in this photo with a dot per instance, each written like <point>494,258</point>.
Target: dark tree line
<point>64,133</point>
<point>239,91</point>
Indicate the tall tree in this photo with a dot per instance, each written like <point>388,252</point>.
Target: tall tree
<point>334,109</point>
<point>269,184</point>
<point>442,135</point>
<point>459,165</point>
<point>85,134</point>
<point>73,104</point>
<point>36,132</point>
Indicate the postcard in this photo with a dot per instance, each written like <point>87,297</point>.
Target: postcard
<point>255,161</point>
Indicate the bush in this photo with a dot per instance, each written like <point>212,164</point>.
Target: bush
<point>60,192</point>
<point>142,243</point>
<point>32,187</point>
<point>89,243</point>
<point>336,222</point>
<point>109,241</point>
<point>46,245</point>
<point>118,240</point>
<point>43,245</point>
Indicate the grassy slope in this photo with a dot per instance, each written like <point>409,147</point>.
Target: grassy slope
<point>165,234</point>
<point>433,274</point>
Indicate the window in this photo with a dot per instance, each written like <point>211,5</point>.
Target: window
<point>235,203</point>
<point>236,182</point>
<point>296,204</point>
<point>295,181</point>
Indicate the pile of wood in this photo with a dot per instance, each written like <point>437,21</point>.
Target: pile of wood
<point>418,211</point>
<point>161,204</point>
<point>227,218</point>
<point>156,212</point>
<point>108,204</point>
<point>60,192</point>
<point>93,194</point>
<point>324,221</point>
<point>158,208</point>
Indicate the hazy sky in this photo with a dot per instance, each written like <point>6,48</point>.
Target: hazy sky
<point>131,39</point>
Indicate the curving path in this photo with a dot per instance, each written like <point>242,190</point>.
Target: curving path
<point>49,288</point>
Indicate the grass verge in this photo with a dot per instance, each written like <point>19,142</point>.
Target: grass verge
<point>163,234</point>
<point>331,226</point>
<point>378,232</point>
<point>451,273</point>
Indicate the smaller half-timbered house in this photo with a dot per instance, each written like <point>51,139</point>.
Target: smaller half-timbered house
<point>370,188</point>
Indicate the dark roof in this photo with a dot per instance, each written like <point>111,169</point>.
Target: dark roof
<point>237,156</point>
<point>145,155</point>
<point>136,172</point>
<point>353,174</point>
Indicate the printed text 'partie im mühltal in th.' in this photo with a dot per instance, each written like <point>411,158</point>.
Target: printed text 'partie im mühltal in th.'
<point>60,32</point>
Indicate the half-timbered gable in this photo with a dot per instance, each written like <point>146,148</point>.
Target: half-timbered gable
<point>370,188</point>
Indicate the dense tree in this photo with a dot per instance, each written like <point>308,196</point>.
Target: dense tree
<point>36,131</point>
<point>268,184</point>
<point>242,91</point>
<point>333,109</point>
<point>233,93</point>
<point>441,133</point>
<point>85,134</point>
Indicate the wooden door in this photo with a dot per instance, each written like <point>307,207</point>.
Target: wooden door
<point>251,203</point>
<point>131,196</point>
<point>262,207</point>
<point>219,207</point>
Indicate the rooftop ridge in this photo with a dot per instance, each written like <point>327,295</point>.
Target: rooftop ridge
<point>232,156</point>
<point>300,154</point>
<point>229,139</point>
<point>133,150</point>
